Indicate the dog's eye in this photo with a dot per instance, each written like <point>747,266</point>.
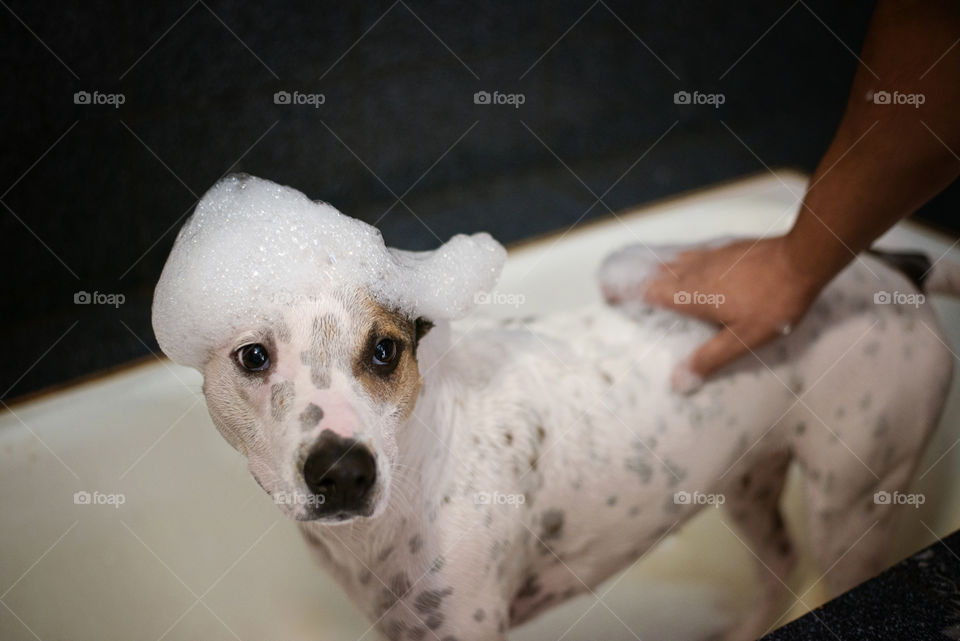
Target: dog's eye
<point>384,352</point>
<point>253,357</point>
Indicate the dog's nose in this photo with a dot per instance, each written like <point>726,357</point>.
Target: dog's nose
<point>342,471</point>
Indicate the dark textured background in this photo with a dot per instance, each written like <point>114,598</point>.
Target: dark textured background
<point>93,195</point>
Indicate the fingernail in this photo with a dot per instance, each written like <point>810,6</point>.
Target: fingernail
<point>684,380</point>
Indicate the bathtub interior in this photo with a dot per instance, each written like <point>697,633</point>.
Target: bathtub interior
<point>197,550</point>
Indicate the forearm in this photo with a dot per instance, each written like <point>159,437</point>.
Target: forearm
<point>885,160</point>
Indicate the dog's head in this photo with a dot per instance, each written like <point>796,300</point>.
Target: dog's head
<point>306,329</point>
<point>314,400</point>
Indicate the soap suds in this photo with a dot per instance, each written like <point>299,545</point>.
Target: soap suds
<point>253,246</point>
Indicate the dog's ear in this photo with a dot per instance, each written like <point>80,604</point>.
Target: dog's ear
<point>420,328</point>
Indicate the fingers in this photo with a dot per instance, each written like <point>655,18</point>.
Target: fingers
<point>720,350</point>
<point>660,290</point>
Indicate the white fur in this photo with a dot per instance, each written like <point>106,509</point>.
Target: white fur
<point>574,413</point>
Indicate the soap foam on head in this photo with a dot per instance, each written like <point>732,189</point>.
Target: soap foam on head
<point>253,246</point>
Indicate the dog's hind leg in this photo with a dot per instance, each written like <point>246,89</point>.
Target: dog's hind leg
<point>849,521</point>
<point>753,502</point>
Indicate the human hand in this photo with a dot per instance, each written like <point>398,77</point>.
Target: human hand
<point>753,289</point>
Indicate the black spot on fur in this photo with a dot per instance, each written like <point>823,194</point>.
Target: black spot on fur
<point>430,600</point>
<point>400,584</point>
<point>416,543</point>
<point>434,620</point>
<point>310,416</point>
<point>530,587</point>
<point>551,524</point>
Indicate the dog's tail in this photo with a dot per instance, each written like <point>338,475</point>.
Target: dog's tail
<point>937,277</point>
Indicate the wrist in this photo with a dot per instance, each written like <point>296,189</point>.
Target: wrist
<point>807,269</point>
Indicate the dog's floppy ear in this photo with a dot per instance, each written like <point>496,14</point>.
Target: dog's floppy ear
<point>444,284</point>
<point>421,326</point>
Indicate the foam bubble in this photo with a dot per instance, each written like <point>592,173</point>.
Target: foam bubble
<point>253,246</point>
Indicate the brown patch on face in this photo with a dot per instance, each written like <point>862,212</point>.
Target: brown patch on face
<point>281,398</point>
<point>400,385</point>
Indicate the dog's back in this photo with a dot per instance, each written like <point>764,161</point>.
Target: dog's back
<point>574,413</point>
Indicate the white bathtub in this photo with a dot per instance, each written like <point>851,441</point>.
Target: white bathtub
<point>197,551</point>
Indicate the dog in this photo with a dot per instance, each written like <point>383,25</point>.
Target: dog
<point>457,481</point>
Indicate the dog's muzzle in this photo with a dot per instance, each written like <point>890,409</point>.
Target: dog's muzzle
<point>342,471</point>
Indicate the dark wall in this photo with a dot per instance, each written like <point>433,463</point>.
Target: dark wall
<point>93,194</point>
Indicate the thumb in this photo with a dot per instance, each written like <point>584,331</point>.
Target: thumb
<point>723,348</point>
